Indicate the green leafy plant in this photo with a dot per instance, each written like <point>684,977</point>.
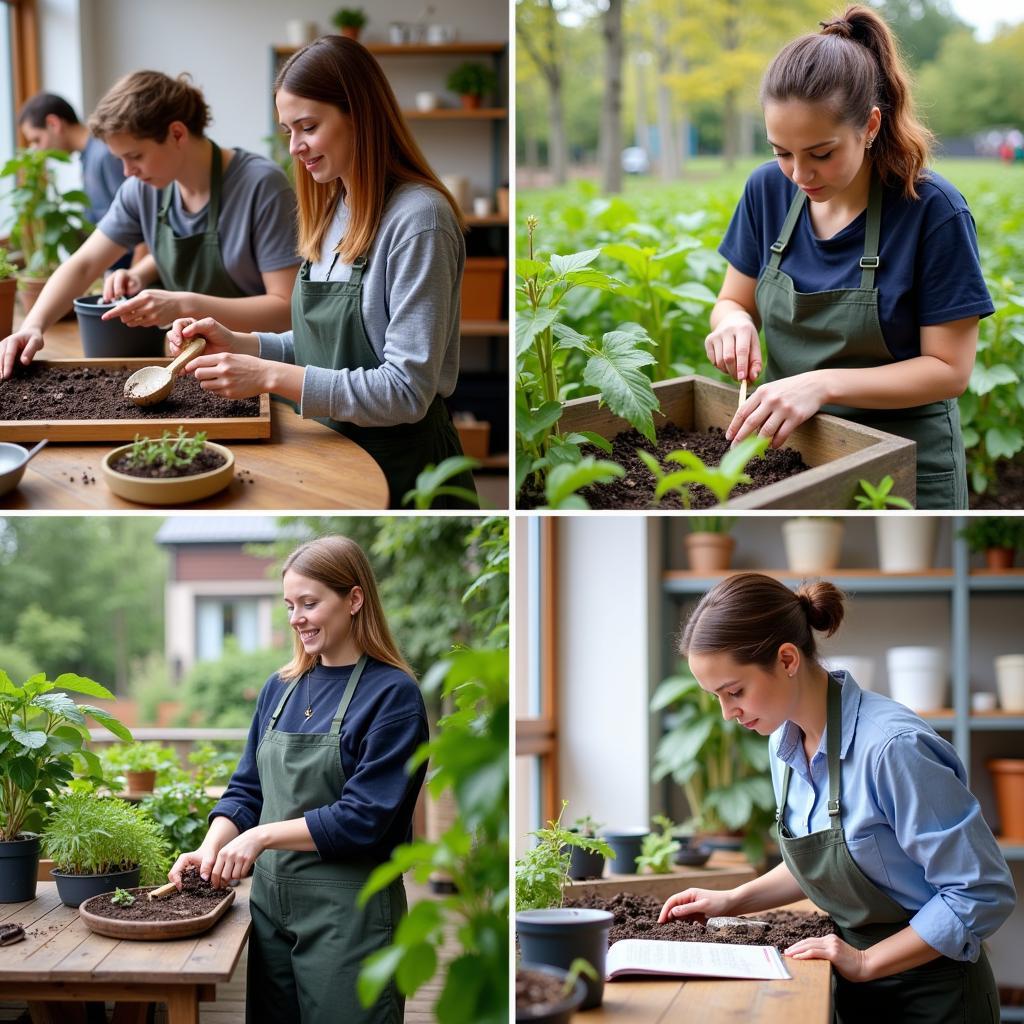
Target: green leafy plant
<point>722,767</point>
<point>586,826</point>
<point>122,898</point>
<point>175,451</point>
<point>119,758</point>
<point>658,848</point>
<point>984,532</point>
<point>879,497</point>
<point>576,968</point>
<point>48,224</point>
<point>7,268</point>
<point>349,17</point>
<point>431,483</point>
<point>543,871</point>
<point>472,79</point>
<point>564,481</point>
<point>42,739</point>
<point>86,835</point>
<point>721,480</point>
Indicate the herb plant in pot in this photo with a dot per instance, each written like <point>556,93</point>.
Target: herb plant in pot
<point>584,863</point>
<point>999,537</point>
<point>42,732</point>
<point>709,547</point>
<point>349,21</point>
<point>140,764</point>
<point>471,82</point>
<point>101,844</point>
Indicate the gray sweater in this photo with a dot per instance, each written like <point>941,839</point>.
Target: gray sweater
<point>411,306</point>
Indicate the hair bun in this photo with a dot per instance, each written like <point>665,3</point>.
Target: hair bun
<point>837,27</point>
<point>822,603</point>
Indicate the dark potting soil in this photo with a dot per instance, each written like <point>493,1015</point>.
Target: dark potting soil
<point>635,490</point>
<point>206,460</point>
<point>536,992</point>
<point>38,392</point>
<point>195,899</point>
<point>636,917</point>
<point>1006,491</point>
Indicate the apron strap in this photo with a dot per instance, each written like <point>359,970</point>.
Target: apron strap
<point>869,261</point>
<point>284,700</point>
<point>778,247</point>
<point>213,206</point>
<point>346,699</point>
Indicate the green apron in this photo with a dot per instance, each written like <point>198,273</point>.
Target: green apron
<point>309,938</point>
<point>327,321</point>
<point>193,263</point>
<point>840,328</point>
<point>943,991</point>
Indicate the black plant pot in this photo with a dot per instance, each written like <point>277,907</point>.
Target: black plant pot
<point>560,935</point>
<point>19,868</point>
<point>627,847</point>
<point>583,864</point>
<point>74,890</point>
<point>723,842</point>
<point>562,1011</point>
<point>114,339</point>
<point>692,854</point>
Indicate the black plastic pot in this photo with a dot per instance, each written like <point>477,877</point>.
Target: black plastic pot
<point>19,868</point>
<point>74,890</point>
<point>113,339</point>
<point>561,1012</point>
<point>583,864</point>
<point>559,936</point>
<point>627,847</point>
<point>723,842</point>
<point>692,854</point>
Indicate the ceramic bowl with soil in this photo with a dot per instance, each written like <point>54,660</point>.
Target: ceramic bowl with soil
<point>158,484</point>
<point>193,910</point>
<point>541,997</point>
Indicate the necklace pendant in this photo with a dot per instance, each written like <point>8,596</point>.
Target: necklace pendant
<point>309,712</point>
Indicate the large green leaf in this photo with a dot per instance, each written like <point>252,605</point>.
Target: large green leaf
<point>81,684</point>
<point>564,481</point>
<point>1003,442</point>
<point>616,373</point>
<point>985,378</point>
<point>33,739</point>
<point>563,265</point>
<point>378,970</point>
<point>637,259</point>
<point>105,718</point>
<point>59,704</point>
<point>416,968</point>
<point>530,323</point>
<point>534,423</point>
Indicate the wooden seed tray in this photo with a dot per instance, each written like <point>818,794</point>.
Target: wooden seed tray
<point>216,428</point>
<point>147,931</point>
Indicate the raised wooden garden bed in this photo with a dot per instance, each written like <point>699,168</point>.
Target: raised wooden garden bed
<point>92,430</point>
<point>840,452</point>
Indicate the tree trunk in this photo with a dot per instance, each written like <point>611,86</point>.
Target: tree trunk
<point>670,163</point>
<point>747,128</point>
<point>611,113</point>
<point>558,156</point>
<point>729,128</point>
<point>643,131</point>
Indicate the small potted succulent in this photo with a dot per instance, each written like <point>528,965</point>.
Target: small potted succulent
<point>471,82</point>
<point>709,547</point>
<point>349,21</point>
<point>139,764</point>
<point>999,537</point>
<point>8,287</point>
<point>99,844</point>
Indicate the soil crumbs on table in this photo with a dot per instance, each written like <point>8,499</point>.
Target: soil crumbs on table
<point>635,490</point>
<point>40,392</point>
<point>195,899</point>
<point>636,917</point>
<point>204,462</point>
<point>536,992</point>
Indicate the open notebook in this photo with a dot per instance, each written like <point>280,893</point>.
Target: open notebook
<point>694,959</point>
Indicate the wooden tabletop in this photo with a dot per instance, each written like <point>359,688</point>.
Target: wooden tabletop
<point>302,465</point>
<point>61,959</point>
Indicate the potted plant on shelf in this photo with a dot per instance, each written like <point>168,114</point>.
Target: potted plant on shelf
<point>999,537</point>
<point>42,732</point>
<point>584,863</point>
<point>99,844</point>
<point>139,764</point>
<point>471,82</point>
<point>48,224</point>
<point>8,286</point>
<point>709,547</point>
<point>1008,782</point>
<point>813,543</point>
<point>349,21</point>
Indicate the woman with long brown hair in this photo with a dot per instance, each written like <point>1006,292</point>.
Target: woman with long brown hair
<point>374,346</point>
<point>876,823</point>
<point>321,796</point>
<point>860,264</point>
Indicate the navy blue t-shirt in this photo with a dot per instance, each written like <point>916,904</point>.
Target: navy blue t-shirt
<point>384,725</point>
<point>929,271</point>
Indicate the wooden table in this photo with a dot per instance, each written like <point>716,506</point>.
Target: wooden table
<point>62,960</point>
<point>303,465</point>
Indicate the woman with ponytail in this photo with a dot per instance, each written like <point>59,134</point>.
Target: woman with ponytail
<point>321,796</point>
<point>876,823</point>
<point>860,264</point>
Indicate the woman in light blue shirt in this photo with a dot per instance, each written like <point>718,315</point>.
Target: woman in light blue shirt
<point>876,823</point>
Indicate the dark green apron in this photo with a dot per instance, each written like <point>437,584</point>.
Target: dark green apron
<point>193,263</point>
<point>840,328</point>
<point>327,321</point>
<point>309,938</point>
<point>943,991</point>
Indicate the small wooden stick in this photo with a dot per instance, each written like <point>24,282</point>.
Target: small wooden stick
<point>163,892</point>
<point>743,392</point>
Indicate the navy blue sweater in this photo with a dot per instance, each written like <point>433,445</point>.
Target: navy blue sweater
<point>385,723</point>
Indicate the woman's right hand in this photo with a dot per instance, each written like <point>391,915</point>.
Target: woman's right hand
<point>202,860</point>
<point>28,341</point>
<point>121,283</point>
<point>218,337</point>
<point>733,346</point>
<point>698,903</point>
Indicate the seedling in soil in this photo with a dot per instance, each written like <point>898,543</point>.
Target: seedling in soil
<point>658,847</point>
<point>879,497</point>
<point>576,968</point>
<point>122,898</point>
<point>175,451</point>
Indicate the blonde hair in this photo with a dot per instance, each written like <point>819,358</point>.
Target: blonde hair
<point>145,103</point>
<point>343,73</point>
<point>340,563</point>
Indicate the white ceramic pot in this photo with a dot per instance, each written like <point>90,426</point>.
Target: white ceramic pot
<point>1010,681</point>
<point>983,701</point>
<point>426,101</point>
<point>299,32</point>
<point>812,545</point>
<point>906,543</point>
<point>918,677</point>
<point>862,669</point>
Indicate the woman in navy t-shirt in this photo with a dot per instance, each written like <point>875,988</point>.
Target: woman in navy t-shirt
<point>861,265</point>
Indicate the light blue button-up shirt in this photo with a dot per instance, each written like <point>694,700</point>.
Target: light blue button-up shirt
<point>912,826</point>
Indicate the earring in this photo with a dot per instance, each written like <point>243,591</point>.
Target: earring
<point>871,142</point>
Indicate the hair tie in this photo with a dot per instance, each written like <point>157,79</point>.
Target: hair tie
<point>839,27</point>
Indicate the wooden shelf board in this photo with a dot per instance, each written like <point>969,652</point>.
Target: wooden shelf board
<point>456,114</point>
<point>382,49</point>
<point>686,574</point>
<point>483,328</point>
<point>492,220</point>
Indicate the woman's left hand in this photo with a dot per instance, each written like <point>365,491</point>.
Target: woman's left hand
<point>230,374</point>
<point>850,962</point>
<point>775,410</point>
<point>150,308</point>
<point>237,857</point>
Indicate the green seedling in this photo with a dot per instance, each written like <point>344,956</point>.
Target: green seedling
<point>721,480</point>
<point>174,451</point>
<point>122,897</point>
<point>576,968</point>
<point>879,497</point>
<point>658,847</point>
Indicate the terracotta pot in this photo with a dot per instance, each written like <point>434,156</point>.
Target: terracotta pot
<point>140,782</point>
<point>999,559</point>
<point>709,552</point>
<point>28,291</point>
<point>501,197</point>
<point>470,102</point>
<point>349,32</point>
<point>1008,781</point>
<point>8,288</point>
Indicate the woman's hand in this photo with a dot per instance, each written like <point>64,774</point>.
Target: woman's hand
<point>121,282</point>
<point>230,374</point>
<point>775,410</point>
<point>218,337</point>
<point>150,308</point>
<point>697,903</point>
<point>850,962</point>
<point>237,857</point>
<point>202,860</point>
<point>28,341</point>
<point>733,346</point>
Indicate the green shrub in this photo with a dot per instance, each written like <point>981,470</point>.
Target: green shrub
<point>222,693</point>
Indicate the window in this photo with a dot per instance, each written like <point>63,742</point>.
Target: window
<point>19,73</point>
<point>218,618</point>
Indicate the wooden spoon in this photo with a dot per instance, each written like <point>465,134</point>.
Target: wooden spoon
<point>163,892</point>
<point>153,384</point>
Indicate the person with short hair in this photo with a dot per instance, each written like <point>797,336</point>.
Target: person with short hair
<point>860,263</point>
<point>219,224</point>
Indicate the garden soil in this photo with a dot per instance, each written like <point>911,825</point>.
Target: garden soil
<point>636,917</point>
<point>1006,492</point>
<point>535,990</point>
<point>195,899</point>
<point>204,462</point>
<point>39,392</point>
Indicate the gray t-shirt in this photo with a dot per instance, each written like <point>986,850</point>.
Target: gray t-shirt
<point>257,221</point>
<point>411,304</point>
<point>102,175</point>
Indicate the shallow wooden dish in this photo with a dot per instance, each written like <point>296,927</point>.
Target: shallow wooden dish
<point>147,931</point>
<point>171,491</point>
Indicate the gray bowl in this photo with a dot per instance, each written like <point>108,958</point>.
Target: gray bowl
<point>13,459</point>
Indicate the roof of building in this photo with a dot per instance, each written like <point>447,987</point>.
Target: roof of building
<point>216,529</point>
